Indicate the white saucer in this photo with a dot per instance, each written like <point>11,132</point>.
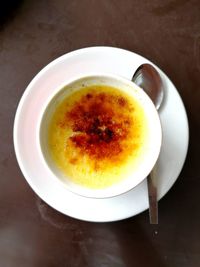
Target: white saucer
<point>96,59</point>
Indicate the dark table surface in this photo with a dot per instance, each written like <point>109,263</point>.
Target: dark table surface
<point>32,34</point>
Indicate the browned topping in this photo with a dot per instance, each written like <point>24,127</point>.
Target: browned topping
<point>99,125</point>
<point>122,102</point>
<point>73,160</point>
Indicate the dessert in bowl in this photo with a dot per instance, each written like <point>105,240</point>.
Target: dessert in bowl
<point>100,135</point>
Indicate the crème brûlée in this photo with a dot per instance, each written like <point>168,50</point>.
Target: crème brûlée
<point>97,136</point>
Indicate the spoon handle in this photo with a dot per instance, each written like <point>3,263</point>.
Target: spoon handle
<point>153,203</point>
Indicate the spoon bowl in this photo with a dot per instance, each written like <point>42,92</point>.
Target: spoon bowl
<point>148,78</point>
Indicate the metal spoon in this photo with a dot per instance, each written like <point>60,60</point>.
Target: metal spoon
<point>148,78</point>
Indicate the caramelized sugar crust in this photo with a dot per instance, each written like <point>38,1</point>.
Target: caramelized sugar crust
<point>99,125</point>
<point>96,135</point>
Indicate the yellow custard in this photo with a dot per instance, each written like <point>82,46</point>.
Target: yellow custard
<point>97,136</point>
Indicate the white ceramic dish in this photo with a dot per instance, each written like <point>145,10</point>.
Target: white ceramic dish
<point>147,160</point>
<point>96,59</point>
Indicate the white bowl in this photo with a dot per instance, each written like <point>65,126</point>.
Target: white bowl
<point>149,158</point>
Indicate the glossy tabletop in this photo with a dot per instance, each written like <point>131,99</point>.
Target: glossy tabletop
<point>32,34</point>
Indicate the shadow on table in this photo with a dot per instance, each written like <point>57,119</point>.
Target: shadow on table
<point>8,10</point>
<point>137,247</point>
<point>117,244</point>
